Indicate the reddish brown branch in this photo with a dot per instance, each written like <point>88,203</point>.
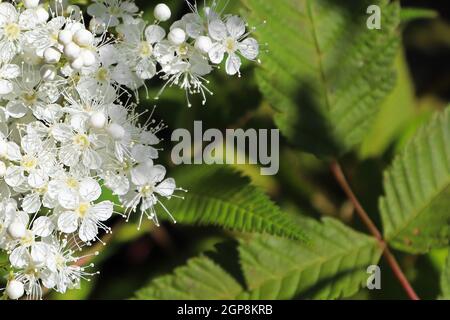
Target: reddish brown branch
<point>341,179</point>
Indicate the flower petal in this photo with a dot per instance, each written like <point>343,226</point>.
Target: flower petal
<point>217,53</point>
<point>88,230</point>
<point>43,226</point>
<point>249,48</point>
<point>154,33</point>
<point>102,211</point>
<point>166,188</point>
<point>233,64</point>
<point>217,30</point>
<point>68,222</point>
<point>235,27</point>
<point>90,190</point>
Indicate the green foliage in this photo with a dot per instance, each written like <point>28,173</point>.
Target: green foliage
<point>445,280</point>
<point>396,111</point>
<point>325,72</point>
<point>410,14</point>
<point>201,278</point>
<point>415,209</point>
<point>223,198</point>
<point>332,266</point>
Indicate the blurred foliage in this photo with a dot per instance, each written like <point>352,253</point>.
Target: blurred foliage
<point>205,259</point>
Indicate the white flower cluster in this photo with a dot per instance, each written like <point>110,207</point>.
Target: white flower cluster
<point>68,126</point>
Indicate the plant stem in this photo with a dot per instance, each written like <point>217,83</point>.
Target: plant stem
<point>390,258</point>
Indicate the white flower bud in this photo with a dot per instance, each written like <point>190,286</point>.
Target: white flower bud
<point>75,26</point>
<point>15,289</point>
<point>203,44</point>
<point>16,230</point>
<point>42,14</point>
<point>48,72</point>
<point>177,36</point>
<point>162,12</point>
<point>88,57</point>
<point>51,55</point>
<point>83,38</point>
<point>65,37</point>
<point>97,120</point>
<point>2,169</point>
<point>77,64</point>
<point>30,4</point>
<point>116,131</point>
<point>72,51</point>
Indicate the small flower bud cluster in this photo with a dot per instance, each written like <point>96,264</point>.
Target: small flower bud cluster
<point>69,129</point>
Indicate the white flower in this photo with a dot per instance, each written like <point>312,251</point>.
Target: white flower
<point>112,12</point>
<point>83,213</point>
<point>63,272</point>
<point>29,247</point>
<point>69,120</point>
<point>8,72</point>
<point>45,36</point>
<point>231,38</point>
<point>34,166</point>
<point>138,47</point>
<point>195,23</point>
<point>8,215</point>
<point>28,95</point>
<point>188,72</point>
<point>149,184</point>
<point>12,25</point>
<point>76,145</point>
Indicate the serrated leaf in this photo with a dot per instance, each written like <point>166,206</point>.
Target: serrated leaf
<point>417,186</point>
<point>445,280</point>
<point>394,115</point>
<point>333,266</point>
<point>200,279</point>
<point>222,197</point>
<point>325,72</point>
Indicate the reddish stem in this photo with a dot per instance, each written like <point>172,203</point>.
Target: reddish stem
<point>390,258</point>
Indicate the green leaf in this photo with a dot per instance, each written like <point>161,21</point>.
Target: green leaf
<point>395,113</point>
<point>417,186</point>
<point>200,279</point>
<point>325,72</point>
<point>333,266</point>
<point>224,198</point>
<point>445,280</point>
<point>410,14</point>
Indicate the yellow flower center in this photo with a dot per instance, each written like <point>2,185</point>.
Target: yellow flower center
<point>12,31</point>
<point>72,183</point>
<point>28,239</point>
<point>230,45</point>
<point>145,49</point>
<point>183,49</point>
<point>82,141</point>
<point>42,190</point>
<point>29,162</point>
<point>82,209</point>
<point>147,190</point>
<point>102,74</point>
<point>29,98</point>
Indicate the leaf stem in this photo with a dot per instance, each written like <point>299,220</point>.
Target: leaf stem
<point>338,173</point>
